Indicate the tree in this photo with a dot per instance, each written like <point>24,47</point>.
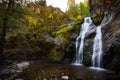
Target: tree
<point>84,8</point>
<point>72,9</point>
<point>71,3</point>
<point>7,11</point>
<point>77,11</point>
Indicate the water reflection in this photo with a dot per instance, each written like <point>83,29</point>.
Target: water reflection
<point>88,74</point>
<point>58,71</point>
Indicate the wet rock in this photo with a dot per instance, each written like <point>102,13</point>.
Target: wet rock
<point>69,53</point>
<point>21,66</point>
<point>7,73</point>
<point>12,70</point>
<point>111,32</point>
<point>50,39</point>
<point>19,79</point>
<point>64,77</point>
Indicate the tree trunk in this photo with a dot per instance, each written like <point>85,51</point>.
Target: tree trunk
<point>2,40</point>
<point>8,11</point>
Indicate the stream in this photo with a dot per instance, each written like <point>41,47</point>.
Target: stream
<point>51,71</point>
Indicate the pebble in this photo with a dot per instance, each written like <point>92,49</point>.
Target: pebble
<point>19,79</point>
<point>62,73</point>
<point>44,79</point>
<point>64,77</point>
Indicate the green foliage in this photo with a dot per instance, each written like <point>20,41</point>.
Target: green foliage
<point>63,30</point>
<point>96,16</point>
<point>71,3</point>
<point>78,11</point>
<point>73,11</point>
<point>84,8</point>
<point>27,26</point>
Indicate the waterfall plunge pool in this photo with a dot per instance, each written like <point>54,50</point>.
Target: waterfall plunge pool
<point>45,71</point>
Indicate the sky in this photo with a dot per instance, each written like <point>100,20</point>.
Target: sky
<point>62,4</point>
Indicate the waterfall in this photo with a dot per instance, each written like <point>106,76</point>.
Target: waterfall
<point>97,48</point>
<point>80,40</point>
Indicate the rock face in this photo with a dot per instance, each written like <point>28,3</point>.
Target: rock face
<point>102,9</point>
<point>38,38</point>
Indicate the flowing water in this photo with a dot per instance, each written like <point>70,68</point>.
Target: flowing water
<point>80,41</point>
<point>97,48</point>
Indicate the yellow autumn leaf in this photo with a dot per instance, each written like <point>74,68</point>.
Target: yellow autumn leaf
<point>32,20</point>
<point>79,17</point>
<point>50,16</point>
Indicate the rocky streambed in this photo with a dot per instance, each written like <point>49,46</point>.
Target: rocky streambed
<point>53,71</point>
<point>9,72</point>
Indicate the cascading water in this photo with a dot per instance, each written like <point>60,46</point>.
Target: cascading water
<point>97,48</point>
<point>80,45</point>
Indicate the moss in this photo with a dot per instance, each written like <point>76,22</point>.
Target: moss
<point>53,55</point>
<point>96,19</point>
<point>88,52</point>
<point>66,29</point>
<point>36,49</point>
<point>97,16</point>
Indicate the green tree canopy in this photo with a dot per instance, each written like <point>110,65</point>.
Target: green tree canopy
<point>77,11</point>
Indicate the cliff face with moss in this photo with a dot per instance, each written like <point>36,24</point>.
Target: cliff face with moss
<point>101,11</point>
<point>35,31</point>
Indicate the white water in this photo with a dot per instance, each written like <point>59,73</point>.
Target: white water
<point>97,48</point>
<point>80,44</point>
<point>98,69</point>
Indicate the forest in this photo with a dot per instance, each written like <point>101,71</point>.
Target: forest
<point>82,43</point>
